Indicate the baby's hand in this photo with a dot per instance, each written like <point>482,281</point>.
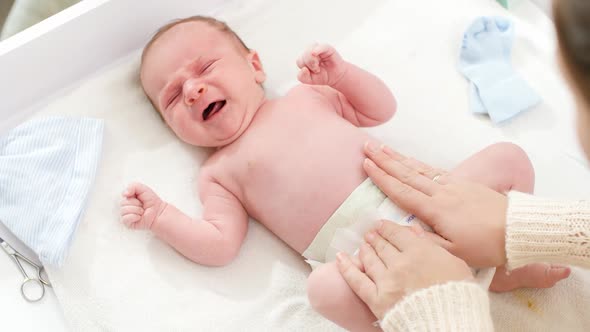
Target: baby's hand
<point>321,64</point>
<point>140,206</point>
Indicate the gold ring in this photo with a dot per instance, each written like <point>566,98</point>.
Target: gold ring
<point>436,177</point>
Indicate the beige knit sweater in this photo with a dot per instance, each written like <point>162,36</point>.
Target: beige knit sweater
<point>538,230</point>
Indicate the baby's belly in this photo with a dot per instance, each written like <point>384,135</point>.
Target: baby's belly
<point>305,221</point>
<point>297,221</point>
<point>295,202</point>
<point>296,165</point>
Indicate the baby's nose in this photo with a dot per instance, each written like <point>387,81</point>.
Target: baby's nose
<point>194,92</point>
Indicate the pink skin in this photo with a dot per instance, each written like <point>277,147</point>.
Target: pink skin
<point>191,78</point>
<point>276,159</point>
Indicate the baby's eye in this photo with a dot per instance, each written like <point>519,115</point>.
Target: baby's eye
<point>173,99</point>
<point>206,66</point>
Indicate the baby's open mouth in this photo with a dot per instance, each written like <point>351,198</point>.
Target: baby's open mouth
<point>212,109</point>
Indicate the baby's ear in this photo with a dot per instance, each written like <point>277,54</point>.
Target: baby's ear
<point>256,65</point>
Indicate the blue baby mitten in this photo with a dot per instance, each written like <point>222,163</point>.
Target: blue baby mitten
<point>485,59</point>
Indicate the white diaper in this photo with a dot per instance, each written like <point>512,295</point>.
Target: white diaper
<point>344,231</point>
<point>360,212</point>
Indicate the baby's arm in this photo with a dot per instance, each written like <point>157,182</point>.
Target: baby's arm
<point>214,239</point>
<point>359,96</point>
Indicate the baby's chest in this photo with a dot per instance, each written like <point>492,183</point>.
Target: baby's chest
<point>295,158</point>
<point>296,141</point>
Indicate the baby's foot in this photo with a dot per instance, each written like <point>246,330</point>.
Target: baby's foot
<point>528,276</point>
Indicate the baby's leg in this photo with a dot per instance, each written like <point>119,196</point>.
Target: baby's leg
<point>330,295</point>
<point>504,167</point>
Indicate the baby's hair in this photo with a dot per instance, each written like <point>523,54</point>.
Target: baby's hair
<point>222,26</point>
<point>572,22</point>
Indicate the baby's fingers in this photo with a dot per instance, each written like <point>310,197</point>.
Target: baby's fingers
<point>307,60</point>
<point>131,190</point>
<point>137,189</point>
<point>300,62</point>
<point>130,219</point>
<point>313,63</point>
<point>130,201</point>
<point>323,51</point>
<point>304,76</point>
<point>130,209</point>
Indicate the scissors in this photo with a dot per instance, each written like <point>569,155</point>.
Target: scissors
<point>29,283</point>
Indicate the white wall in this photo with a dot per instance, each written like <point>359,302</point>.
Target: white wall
<point>544,4</point>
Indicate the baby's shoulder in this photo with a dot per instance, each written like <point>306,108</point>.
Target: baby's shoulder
<point>210,173</point>
<point>300,90</point>
<point>312,92</point>
<point>212,166</point>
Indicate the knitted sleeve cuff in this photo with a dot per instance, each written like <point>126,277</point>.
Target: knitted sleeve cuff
<point>545,230</point>
<point>454,306</point>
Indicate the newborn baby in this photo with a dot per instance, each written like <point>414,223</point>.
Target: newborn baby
<point>293,163</point>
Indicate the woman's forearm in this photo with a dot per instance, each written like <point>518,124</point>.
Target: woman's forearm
<point>546,230</point>
<point>454,306</point>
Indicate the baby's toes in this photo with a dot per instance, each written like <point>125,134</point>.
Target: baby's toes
<point>532,276</point>
<point>541,275</point>
<point>554,274</point>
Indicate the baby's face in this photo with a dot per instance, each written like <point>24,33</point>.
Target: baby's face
<point>206,87</point>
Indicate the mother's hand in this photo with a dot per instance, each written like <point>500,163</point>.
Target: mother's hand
<point>469,218</point>
<point>397,262</point>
